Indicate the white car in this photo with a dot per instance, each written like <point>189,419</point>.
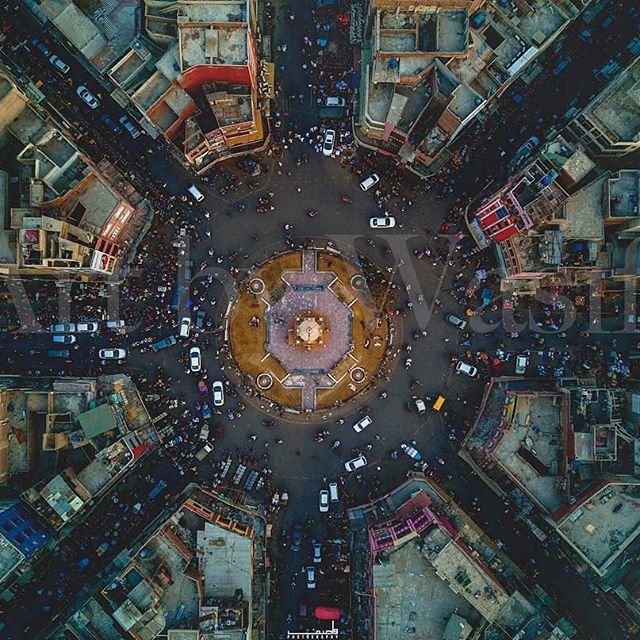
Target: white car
<point>329,142</point>
<point>87,327</point>
<point>467,369</point>
<point>385,222</point>
<point>112,354</point>
<point>217,389</point>
<point>114,325</point>
<point>369,182</point>
<point>324,501</point>
<point>185,327</point>
<point>311,577</point>
<point>195,359</point>
<point>317,552</point>
<point>420,405</point>
<point>88,97</point>
<point>63,328</point>
<point>362,424</point>
<point>522,362</point>
<point>355,463</point>
<point>60,65</point>
<point>64,339</point>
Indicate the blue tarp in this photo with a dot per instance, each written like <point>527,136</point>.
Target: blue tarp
<point>22,531</point>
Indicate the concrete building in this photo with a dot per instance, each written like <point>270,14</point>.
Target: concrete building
<point>416,541</point>
<point>70,439</point>
<point>429,67</point>
<point>564,455</point>
<point>609,126</point>
<point>72,217</point>
<point>198,80</point>
<point>199,577</point>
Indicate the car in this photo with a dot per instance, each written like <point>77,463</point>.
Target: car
<point>317,552</point>
<point>329,142</point>
<point>311,577</point>
<point>132,130</point>
<point>164,343</point>
<point>420,405</point>
<point>112,354</point>
<point>185,327</point>
<point>467,369</point>
<point>59,64</point>
<point>296,538</point>
<point>333,491</point>
<point>63,328</point>
<point>522,362</point>
<point>40,46</point>
<point>58,353</point>
<point>87,327</point>
<point>385,222</point>
<point>454,321</point>
<point>529,146</point>
<point>195,359</point>
<point>362,424</point>
<point>370,181</point>
<point>217,390</point>
<point>64,339</point>
<point>115,325</point>
<point>200,316</point>
<point>324,501</point>
<point>355,463</point>
<point>112,124</point>
<point>335,102</point>
<point>562,65</point>
<point>88,98</point>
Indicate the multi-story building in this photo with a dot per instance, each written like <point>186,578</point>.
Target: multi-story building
<point>200,576</point>
<point>72,217</point>
<point>198,80</point>
<point>70,439</point>
<point>417,540</point>
<point>429,67</point>
<point>609,126</point>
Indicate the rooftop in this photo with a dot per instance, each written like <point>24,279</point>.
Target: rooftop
<point>583,213</point>
<point>623,196</point>
<point>618,106</point>
<point>603,525</point>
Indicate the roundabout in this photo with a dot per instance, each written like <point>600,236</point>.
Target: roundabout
<point>305,332</point>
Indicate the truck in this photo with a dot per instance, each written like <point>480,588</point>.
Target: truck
<point>204,452</point>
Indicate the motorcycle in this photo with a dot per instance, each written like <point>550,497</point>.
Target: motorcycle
<point>346,199</point>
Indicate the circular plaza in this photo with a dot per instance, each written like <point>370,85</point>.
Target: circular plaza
<point>305,332</point>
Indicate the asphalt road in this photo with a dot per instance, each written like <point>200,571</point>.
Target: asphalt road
<point>300,464</point>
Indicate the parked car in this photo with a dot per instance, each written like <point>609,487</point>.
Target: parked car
<point>132,130</point>
<point>217,389</point>
<point>296,538</point>
<point>522,362</point>
<point>311,577</point>
<point>64,339</point>
<point>335,102</point>
<point>420,405</point>
<point>87,327</point>
<point>58,353</point>
<point>453,320</point>
<point>164,343</point>
<point>88,98</point>
<point>112,354</point>
<point>333,491</point>
<point>200,316</point>
<point>383,222</point>
<point>355,463</point>
<point>317,552</point>
<point>112,124</point>
<point>59,64</point>
<point>362,424</point>
<point>329,143</point>
<point>204,452</point>
<point>370,181</point>
<point>324,501</point>
<point>40,46</point>
<point>467,369</point>
<point>195,359</point>
<point>63,328</point>
<point>114,325</point>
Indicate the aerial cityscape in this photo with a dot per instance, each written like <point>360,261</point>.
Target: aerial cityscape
<point>319,319</point>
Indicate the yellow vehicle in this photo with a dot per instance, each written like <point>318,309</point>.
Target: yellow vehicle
<point>437,405</point>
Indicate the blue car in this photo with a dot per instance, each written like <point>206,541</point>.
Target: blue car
<point>296,538</point>
<point>40,46</point>
<point>112,124</point>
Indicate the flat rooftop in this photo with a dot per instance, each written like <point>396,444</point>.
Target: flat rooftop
<point>213,33</point>
<point>10,557</point>
<point>605,524</point>
<point>624,194</point>
<point>618,106</point>
<point>531,447</point>
<point>584,213</point>
<point>411,595</point>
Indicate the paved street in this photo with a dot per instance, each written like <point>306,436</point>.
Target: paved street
<point>300,464</point>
